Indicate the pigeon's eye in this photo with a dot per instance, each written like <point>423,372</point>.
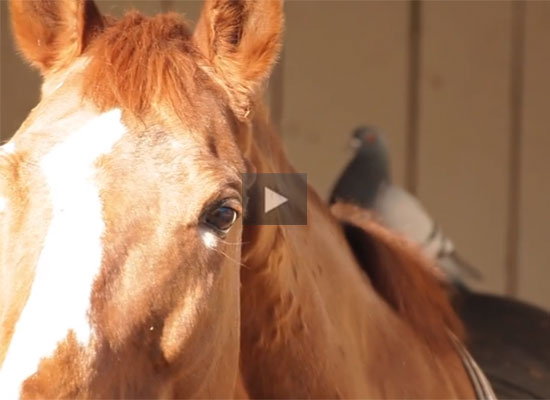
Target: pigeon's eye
<point>220,218</point>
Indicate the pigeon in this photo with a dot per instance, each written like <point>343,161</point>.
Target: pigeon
<point>366,181</point>
<point>499,329</point>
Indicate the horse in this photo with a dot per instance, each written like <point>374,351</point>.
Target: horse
<point>125,267</point>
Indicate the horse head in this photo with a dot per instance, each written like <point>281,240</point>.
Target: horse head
<point>120,200</point>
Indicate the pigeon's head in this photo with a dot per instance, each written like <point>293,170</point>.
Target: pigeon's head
<point>368,138</point>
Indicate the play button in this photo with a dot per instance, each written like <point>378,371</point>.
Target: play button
<point>272,199</point>
<point>275,199</point>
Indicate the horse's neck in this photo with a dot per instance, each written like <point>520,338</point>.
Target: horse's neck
<point>312,325</point>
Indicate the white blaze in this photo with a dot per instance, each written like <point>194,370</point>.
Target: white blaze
<point>8,148</point>
<point>71,257</point>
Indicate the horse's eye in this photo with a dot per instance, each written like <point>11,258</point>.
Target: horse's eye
<point>221,218</point>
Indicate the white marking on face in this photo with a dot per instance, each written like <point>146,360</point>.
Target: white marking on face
<point>209,239</point>
<point>8,148</point>
<point>71,257</point>
<point>3,204</point>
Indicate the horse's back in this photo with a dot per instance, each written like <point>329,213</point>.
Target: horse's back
<point>511,342</point>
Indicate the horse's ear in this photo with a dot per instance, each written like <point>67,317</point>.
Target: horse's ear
<point>51,34</point>
<point>241,40</point>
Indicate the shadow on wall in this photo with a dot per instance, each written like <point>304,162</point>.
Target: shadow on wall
<point>15,101</point>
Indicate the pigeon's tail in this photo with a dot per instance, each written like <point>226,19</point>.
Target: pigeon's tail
<point>457,269</point>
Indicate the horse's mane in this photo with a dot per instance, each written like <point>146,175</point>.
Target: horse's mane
<point>401,275</point>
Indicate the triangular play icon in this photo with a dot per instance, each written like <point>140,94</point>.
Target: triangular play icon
<point>272,199</point>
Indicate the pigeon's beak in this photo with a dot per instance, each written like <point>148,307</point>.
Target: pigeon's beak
<point>354,143</point>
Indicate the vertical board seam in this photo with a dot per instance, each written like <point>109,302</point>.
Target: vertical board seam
<point>166,5</point>
<point>411,163</point>
<point>514,170</point>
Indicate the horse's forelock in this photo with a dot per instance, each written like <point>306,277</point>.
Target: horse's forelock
<point>141,62</point>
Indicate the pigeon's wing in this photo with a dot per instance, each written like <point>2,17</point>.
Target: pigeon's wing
<point>403,213</point>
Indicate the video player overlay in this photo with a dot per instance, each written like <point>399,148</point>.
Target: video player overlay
<point>275,199</point>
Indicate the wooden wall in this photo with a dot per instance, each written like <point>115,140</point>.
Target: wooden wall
<point>19,85</point>
<point>462,90</point>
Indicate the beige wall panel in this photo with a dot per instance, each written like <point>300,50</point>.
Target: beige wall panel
<point>189,8</point>
<point>534,249</point>
<point>120,7</point>
<point>19,84</point>
<point>464,126</point>
<point>344,63</point>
